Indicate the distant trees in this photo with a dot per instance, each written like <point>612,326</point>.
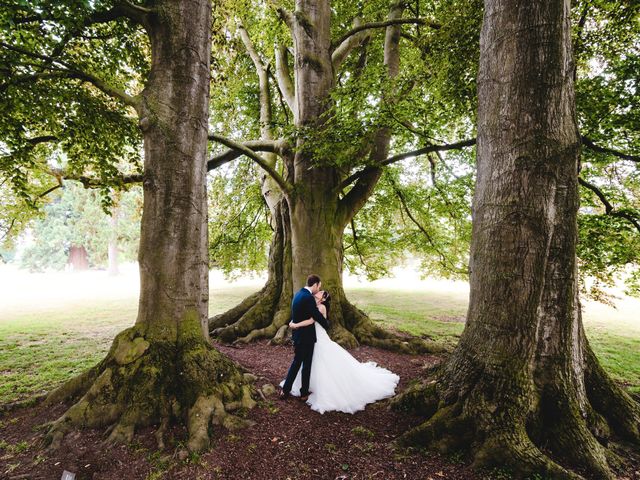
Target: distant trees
<point>75,218</point>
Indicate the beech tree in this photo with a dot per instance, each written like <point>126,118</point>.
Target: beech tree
<point>523,388</point>
<point>84,81</point>
<point>313,189</point>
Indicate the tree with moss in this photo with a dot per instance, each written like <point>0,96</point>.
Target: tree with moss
<point>523,389</point>
<point>326,123</point>
<point>86,82</point>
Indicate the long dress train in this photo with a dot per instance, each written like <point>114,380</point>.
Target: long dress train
<point>340,382</point>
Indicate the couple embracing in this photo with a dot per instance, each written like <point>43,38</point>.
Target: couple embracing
<point>330,378</point>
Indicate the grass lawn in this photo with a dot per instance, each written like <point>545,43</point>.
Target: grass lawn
<point>53,327</point>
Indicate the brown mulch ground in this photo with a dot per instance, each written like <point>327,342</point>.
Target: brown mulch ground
<point>289,441</point>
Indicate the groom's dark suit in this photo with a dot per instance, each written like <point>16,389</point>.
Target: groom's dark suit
<point>303,307</point>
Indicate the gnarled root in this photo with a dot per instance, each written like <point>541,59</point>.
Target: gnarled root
<point>141,383</point>
<point>269,316</point>
<point>367,333</point>
<point>510,424</point>
<point>258,316</point>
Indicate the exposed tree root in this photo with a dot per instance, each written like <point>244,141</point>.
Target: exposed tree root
<point>611,402</point>
<point>555,442</point>
<point>141,383</point>
<point>350,326</point>
<point>266,314</point>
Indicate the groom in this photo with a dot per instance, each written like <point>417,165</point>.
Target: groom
<point>303,307</point>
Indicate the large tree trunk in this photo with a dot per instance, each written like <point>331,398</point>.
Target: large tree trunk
<point>163,367</point>
<point>317,215</point>
<point>523,376</point>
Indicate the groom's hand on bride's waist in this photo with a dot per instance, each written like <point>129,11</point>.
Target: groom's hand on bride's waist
<point>295,326</point>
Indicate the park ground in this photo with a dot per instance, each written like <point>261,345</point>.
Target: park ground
<point>55,325</point>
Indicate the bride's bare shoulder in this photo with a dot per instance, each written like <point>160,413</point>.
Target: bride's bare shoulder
<point>323,310</point>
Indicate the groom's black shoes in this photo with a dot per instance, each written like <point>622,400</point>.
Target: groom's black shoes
<point>304,398</point>
<point>282,395</point>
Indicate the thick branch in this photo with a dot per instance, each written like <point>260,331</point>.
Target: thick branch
<point>283,75</point>
<point>125,9</point>
<point>122,9</point>
<point>271,146</point>
<point>41,139</point>
<point>265,93</point>
<point>251,50</point>
<point>368,26</point>
<point>403,156</point>
<point>608,208</point>
<point>282,183</point>
<point>592,146</point>
<point>356,198</point>
<point>343,50</point>
<point>353,201</point>
<point>286,17</point>
<point>92,182</point>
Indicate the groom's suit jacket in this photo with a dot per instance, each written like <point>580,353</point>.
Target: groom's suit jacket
<point>304,307</point>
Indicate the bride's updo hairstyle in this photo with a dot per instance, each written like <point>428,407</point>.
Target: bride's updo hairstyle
<point>326,299</point>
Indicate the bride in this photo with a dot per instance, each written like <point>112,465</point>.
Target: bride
<point>339,381</point>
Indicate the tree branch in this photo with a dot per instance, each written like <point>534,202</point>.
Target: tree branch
<point>368,26</point>
<point>271,146</point>
<point>608,208</point>
<point>9,228</point>
<point>286,187</point>
<point>343,50</point>
<point>41,139</point>
<point>262,69</point>
<point>283,76</point>
<point>248,44</point>
<point>71,71</point>
<point>49,190</point>
<point>286,17</point>
<point>587,142</point>
<point>283,103</point>
<point>92,182</point>
<point>443,258</point>
<point>355,244</point>
<point>403,156</point>
<point>355,199</point>
<point>125,9</point>
<point>122,9</point>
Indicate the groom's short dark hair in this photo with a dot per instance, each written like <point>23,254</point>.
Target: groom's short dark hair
<point>312,279</point>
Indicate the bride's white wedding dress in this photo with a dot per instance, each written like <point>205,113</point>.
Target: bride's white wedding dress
<point>340,382</point>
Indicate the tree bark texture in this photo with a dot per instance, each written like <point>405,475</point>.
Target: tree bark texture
<point>523,387</point>
<point>163,368</point>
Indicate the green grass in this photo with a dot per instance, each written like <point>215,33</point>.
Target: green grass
<point>434,314</point>
<point>43,343</point>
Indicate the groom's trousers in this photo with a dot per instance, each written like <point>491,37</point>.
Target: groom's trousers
<point>302,356</point>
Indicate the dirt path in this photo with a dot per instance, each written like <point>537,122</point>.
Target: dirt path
<point>289,441</point>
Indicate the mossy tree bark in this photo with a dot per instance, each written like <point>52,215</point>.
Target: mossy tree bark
<point>523,388</point>
<point>163,367</point>
<point>316,211</point>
